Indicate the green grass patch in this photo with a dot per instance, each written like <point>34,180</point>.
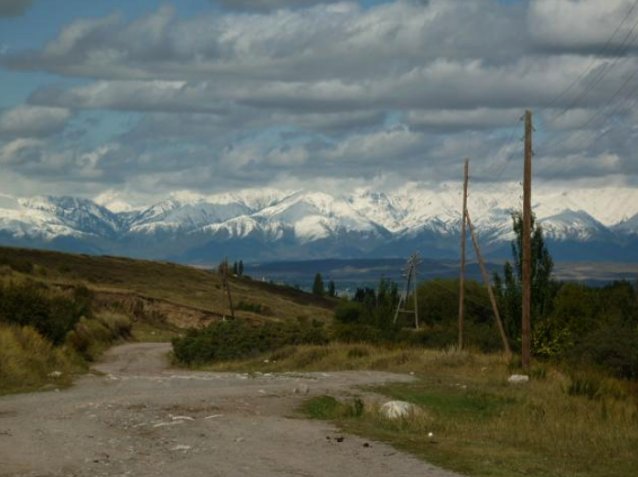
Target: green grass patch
<point>328,408</point>
<point>451,401</point>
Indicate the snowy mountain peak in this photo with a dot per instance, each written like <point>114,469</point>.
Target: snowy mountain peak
<point>279,224</point>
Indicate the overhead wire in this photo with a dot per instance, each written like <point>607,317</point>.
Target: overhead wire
<point>618,53</point>
<point>598,53</point>
<point>630,38</point>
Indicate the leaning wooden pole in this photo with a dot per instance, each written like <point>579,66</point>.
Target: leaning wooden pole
<point>463,240</point>
<point>223,271</point>
<point>416,302</point>
<point>526,349</point>
<point>490,292</point>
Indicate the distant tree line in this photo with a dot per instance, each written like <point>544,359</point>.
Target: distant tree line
<point>571,322</point>
<point>318,287</point>
<point>238,268</point>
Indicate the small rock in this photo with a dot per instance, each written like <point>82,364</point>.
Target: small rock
<point>397,409</point>
<point>55,374</point>
<point>365,444</point>
<point>518,379</point>
<point>339,439</point>
<point>181,447</point>
<point>239,439</point>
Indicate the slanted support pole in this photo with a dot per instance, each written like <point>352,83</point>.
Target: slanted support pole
<point>490,292</point>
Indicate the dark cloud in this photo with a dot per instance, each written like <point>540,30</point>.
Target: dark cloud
<point>32,121</point>
<point>14,8</point>
<point>334,91</point>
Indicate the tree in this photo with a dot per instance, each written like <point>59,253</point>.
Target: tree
<point>509,288</point>
<point>332,290</point>
<point>317,286</point>
<point>240,268</point>
<point>235,270</point>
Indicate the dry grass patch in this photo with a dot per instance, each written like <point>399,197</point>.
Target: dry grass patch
<point>28,361</point>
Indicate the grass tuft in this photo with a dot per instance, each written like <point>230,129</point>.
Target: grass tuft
<point>28,361</point>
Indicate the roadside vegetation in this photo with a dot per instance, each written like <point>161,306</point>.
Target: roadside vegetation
<point>47,335</point>
<point>59,312</point>
<point>578,415</point>
<point>564,422</point>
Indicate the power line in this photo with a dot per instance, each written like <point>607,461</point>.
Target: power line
<point>603,72</point>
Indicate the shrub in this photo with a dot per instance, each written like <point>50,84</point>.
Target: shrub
<point>613,349</point>
<point>349,312</point>
<point>53,314</point>
<point>90,336</point>
<point>234,339</point>
<point>358,333</point>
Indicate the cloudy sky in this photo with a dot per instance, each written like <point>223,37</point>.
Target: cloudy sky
<point>140,99</point>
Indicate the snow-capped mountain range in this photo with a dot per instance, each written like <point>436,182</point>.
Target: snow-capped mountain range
<point>267,224</point>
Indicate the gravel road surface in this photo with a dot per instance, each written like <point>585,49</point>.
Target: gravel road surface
<point>141,418</point>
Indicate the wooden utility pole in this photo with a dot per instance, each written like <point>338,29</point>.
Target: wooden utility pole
<point>223,272</point>
<point>490,292</point>
<point>526,352</point>
<point>463,239</point>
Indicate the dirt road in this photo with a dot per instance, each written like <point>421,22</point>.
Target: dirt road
<point>143,419</point>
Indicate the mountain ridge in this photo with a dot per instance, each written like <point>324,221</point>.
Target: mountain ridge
<point>270,224</point>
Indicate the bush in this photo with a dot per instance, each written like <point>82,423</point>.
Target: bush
<point>90,336</point>
<point>53,314</point>
<point>234,339</point>
<point>357,333</point>
<point>613,349</point>
<point>349,312</point>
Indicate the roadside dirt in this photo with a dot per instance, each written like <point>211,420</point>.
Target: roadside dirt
<point>141,418</point>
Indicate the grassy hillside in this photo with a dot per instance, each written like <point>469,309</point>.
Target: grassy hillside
<point>185,296</point>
